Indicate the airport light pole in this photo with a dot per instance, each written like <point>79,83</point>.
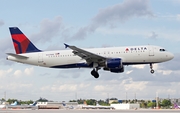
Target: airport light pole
<point>126,97</point>
<point>157,98</point>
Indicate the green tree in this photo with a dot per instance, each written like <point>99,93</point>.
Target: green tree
<point>166,103</point>
<point>12,100</point>
<point>3,99</point>
<point>72,101</point>
<point>115,103</point>
<point>91,102</point>
<point>151,104</point>
<point>143,104</point>
<point>42,100</point>
<point>80,101</point>
<point>26,102</point>
<point>103,103</point>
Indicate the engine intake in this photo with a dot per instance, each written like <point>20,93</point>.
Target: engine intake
<point>114,63</point>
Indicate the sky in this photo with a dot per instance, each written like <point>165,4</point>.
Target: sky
<point>90,24</point>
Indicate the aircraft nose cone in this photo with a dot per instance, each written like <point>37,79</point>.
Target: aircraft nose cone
<point>170,56</point>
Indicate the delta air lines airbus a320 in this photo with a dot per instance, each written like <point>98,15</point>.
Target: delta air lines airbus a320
<point>111,59</point>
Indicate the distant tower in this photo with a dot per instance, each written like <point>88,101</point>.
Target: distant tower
<point>157,100</point>
<point>5,95</point>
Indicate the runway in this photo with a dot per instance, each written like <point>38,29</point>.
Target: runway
<point>90,111</point>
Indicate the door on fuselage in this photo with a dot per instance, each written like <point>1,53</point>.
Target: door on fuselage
<point>40,58</point>
<point>151,51</point>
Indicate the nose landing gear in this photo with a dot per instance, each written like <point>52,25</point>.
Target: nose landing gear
<point>151,67</point>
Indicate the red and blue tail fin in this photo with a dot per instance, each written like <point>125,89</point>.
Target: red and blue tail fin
<point>21,43</point>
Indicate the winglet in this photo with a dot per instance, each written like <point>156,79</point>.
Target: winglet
<point>66,46</point>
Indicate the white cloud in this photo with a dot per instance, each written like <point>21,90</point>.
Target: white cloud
<point>139,66</point>
<point>45,88</point>
<point>174,1</point>
<point>69,87</point>
<point>167,91</point>
<point>29,71</point>
<point>158,32</point>
<point>123,11</point>
<point>18,73</point>
<point>165,72</point>
<point>153,35</point>
<point>178,17</point>
<point>128,72</point>
<point>48,29</point>
<point>134,86</point>
<point>99,88</point>
<point>60,88</point>
<point>83,85</point>
<point>3,73</point>
<point>1,23</point>
<point>14,86</point>
<point>117,13</point>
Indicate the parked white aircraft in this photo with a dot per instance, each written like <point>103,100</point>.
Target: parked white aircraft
<point>16,106</point>
<point>111,59</point>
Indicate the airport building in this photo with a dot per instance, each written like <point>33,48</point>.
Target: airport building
<point>112,100</point>
<point>57,105</point>
<point>124,106</point>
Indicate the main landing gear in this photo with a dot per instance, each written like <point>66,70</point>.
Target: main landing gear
<point>151,67</point>
<point>94,72</point>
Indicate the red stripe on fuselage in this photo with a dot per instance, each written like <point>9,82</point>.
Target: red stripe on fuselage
<point>23,40</point>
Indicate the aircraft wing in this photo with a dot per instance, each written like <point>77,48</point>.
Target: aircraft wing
<point>88,56</point>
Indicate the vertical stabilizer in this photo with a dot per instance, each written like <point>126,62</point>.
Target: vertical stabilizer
<point>21,43</point>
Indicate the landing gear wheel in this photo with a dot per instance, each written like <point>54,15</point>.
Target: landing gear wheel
<point>152,71</point>
<point>95,73</point>
<point>151,67</point>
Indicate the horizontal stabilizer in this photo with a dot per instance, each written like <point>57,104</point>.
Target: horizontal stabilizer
<point>17,56</point>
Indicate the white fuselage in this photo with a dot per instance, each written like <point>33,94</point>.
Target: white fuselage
<point>66,59</point>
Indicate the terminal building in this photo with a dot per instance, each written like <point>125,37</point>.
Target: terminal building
<point>57,105</point>
<point>125,106</point>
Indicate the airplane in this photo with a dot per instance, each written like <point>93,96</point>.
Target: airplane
<point>2,105</point>
<point>111,59</point>
<point>33,104</point>
<point>67,106</point>
<point>176,106</point>
<point>16,106</point>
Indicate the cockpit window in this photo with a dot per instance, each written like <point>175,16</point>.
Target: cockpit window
<point>162,50</point>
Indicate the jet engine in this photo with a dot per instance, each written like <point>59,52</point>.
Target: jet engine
<point>118,70</point>
<point>114,63</point>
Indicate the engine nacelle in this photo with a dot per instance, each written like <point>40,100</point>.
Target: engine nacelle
<point>114,63</point>
<point>118,70</point>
